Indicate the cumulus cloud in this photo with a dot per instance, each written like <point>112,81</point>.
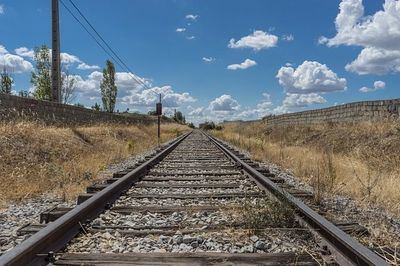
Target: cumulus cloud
<point>66,58</point>
<point>3,50</point>
<point>149,97</point>
<point>378,85</point>
<point>208,59</point>
<point>191,17</point>
<point>263,108</point>
<point>245,64</point>
<point>1,9</point>
<point>14,63</point>
<point>126,83</point>
<point>224,103</point>
<point>302,100</point>
<point>373,60</point>
<point>294,100</point>
<point>84,66</point>
<point>25,52</point>
<point>180,29</point>
<point>257,40</point>
<point>69,59</point>
<point>196,112</point>
<point>310,77</point>
<point>379,34</point>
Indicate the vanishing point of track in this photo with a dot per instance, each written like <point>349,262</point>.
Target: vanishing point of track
<point>193,176</point>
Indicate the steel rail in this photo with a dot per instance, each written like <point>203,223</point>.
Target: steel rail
<point>346,250</point>
<point>36,249</point>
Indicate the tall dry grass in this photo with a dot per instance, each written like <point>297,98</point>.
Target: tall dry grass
<point>37,159</point>
<point>361,160</point>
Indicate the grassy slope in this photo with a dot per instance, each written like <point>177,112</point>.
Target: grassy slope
<point>359,160</point>
<point>35,159</point>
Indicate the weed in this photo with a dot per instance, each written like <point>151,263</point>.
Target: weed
<point>265,213</point>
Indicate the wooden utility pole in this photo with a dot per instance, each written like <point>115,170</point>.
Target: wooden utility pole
<point>56,58</point>
<point>159,113</point>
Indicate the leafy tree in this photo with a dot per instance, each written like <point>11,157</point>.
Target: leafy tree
<point>96,107</point>
<point>108,88</point>
<point>152,112</point>
<point>79,105</point>
<point>191,125</point>
<point>6,82</point>
<point>68,87</point>
<point>40,78</point>
<point>179,117</point>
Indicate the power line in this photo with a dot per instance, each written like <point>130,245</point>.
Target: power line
<point>83,26</point>
<point>114,55</point>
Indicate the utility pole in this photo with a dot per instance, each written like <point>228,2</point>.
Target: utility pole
<point>56,58</point>
<point>159,113</point>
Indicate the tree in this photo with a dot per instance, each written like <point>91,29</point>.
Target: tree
<point>68,86</point>
<point>152,113</point>
<point>96,107</point>
<point>40,78</point>
<point>178,117</point>
<point>6,82</point>
<point>108,88</point>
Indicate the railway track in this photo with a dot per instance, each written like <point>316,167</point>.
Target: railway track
<point>193,202</point>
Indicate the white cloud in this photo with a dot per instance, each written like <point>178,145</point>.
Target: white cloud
<point>302,100</point>
<point>84,66</point>
<point>180,29</point>
<point>126,84</point>
<point>66,58</point>
<point>191,37</point>
<point>3,50</point>
<point>149,97</point>
<point>15,63</point>
<point>69,59</point>
<point>196,112</point>
<point>309,77</point>
<point>192,17</point>
<point>378,85</point>
<point>379,34</point>
<point>1,9</point>
<point>246,64</point>
<point>25,52</point>
<point>257,40</point>
<point>373,60</point>
<point>294,100</point>
<point>288,38</point>
<point>208,59</point>
<point>224,103</point>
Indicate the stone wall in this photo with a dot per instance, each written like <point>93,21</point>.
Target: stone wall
<point>13,108</point>
<point>351,112</point>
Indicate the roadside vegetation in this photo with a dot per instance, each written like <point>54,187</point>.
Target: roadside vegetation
<point>36,159</point>
<point>360,160</point>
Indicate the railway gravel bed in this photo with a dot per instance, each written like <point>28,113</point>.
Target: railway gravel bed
<point>189,230</point>
<point>192,203</point>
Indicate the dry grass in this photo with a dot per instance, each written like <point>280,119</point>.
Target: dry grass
<point>359,160</point>
<point>37,159</point>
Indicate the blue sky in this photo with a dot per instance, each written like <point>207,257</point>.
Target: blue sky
<point>219,59</point>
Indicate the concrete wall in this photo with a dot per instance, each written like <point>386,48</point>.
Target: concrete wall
<point>357,111</point>
<point>13,108</point>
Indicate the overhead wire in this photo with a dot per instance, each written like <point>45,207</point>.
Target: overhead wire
<point>113,54</point>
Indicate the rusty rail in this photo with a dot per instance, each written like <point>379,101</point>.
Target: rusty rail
<point>345,249</point>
